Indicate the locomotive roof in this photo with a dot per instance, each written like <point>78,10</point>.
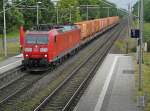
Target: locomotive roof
<point>45,29</point>
<point>37,32</point>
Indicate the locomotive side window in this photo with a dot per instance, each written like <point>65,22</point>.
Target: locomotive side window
<point>37,39</point>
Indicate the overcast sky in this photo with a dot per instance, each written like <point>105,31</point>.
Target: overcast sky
<point>123,3</point>
<point>119,3</point>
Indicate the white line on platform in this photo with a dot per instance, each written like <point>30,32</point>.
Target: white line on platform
<point>10,64</point>
<point>105,87</point>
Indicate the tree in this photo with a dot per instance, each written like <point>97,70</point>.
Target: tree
<point>146,19</point>
<point>66,7</point>
<point>1,5</point>
<point>13,17</point>
<point>146,10</point>
<point>48,15</point>
<point>98,12</point>
<point>46,12</point>
<point>91,15</point>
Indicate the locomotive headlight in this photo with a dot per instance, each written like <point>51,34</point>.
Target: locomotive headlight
<point>45,55</point>
<point>43,49</point>
<point>27,55</point>
<point>28,49</point>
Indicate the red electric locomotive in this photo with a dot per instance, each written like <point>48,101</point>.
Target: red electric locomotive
<point>48,45</point>
<point>43,48</point>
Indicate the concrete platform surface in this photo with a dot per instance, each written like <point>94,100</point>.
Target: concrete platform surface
<point>112,88</point>
<point>11,63</point>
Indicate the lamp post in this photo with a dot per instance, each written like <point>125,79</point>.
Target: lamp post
<point>57,14</point>
<point>138,14</point>
<point>138,26</point>
<point>71,14</point>
<point>93,7</point>
<point>141,46</point>
<point>117,14</point>
<point>108,13</point>
<point>87,12</point>
<point>129,19</point>
<point>38,12</point>
<point>4,29</point>
<point>57,10</point>
<point>108,10</point>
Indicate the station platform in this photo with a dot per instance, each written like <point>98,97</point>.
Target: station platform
<point>11,63</point>
<point>112,88</point>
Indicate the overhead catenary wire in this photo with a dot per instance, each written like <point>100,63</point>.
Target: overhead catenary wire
<point>4,29</point>
<point>13,6</point>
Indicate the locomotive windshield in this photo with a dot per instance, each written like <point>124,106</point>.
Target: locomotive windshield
<point>37,39</point>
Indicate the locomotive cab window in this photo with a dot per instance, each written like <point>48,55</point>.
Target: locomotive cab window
<point>37,39</point>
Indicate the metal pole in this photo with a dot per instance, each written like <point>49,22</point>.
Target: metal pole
<point>141,45</point>
<point>117,13</point>
<point>138,25</point>
<point>129,20</point>
<point>70,16</point>
<point>87,14</point>
<point>4,30</point>
<point>57,16</point>
<point>37,14</point>
<point>108,14</point>
<point>106,3</point>
<point>99,12</point>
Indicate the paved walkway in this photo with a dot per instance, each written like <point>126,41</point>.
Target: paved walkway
<point>10,63</point>
<point>112,88</point>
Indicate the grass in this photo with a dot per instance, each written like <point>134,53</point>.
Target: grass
<point>146,65</point>
<point>147,28</point>
<point>12,49</point>
<point>1,58</point>
<point>121,45</point>
<point>13,34</point>
<point>146,78</point>
<point>147,32</point>
<point>146,70</point>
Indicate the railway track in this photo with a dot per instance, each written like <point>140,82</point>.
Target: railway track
<point>10,76</point>
<point>27,84</point>
<point>62,97</point>
<point>80,90</point>
<point>17,86</point>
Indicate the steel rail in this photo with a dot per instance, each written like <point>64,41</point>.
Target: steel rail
<point>2,75</point>
<point>16,92</point>
<point>7,75</point>
<point>67,106</point>
<point>69,77</point>
<point>11,82</point>
<point>23,88</point>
